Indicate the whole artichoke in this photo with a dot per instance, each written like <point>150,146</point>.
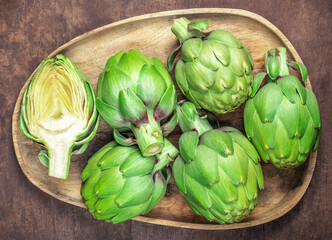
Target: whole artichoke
<point>137,93</point>
<point>59,111</point>
<point>119,183</point>
<point>282,119</point>
<point>218,171</point>
<point>215,69</point>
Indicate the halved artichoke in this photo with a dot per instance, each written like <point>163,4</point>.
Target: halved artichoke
<point>58,111</point>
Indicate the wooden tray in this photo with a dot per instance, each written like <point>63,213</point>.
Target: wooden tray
<point>151,34</point>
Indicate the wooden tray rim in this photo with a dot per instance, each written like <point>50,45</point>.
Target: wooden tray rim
<point>183,12</point>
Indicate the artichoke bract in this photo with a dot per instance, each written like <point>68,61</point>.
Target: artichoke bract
<point>215,69</point>
<point>282,119</point>
<point>137,93</point>
<point>218,172</point>
<point>58,111</point>
<point>119,183</point>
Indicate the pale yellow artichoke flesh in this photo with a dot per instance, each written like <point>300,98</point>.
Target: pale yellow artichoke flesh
<point>57,110</point>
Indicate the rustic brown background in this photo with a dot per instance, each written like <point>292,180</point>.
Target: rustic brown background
<point>30,30</point>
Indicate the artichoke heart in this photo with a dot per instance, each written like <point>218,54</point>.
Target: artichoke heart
<point>58,110</point>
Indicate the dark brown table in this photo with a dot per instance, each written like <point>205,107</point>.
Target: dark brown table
<point>30,30</point>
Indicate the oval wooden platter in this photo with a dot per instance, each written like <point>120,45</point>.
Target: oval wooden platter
<point>151,34</point>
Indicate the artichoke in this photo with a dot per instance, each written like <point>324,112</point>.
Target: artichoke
<point>119,183</point>
<point>137,93</point>
<point>282,119</point>
<point>58,111</point>
<point>218,171</point>
<point>215,69</point>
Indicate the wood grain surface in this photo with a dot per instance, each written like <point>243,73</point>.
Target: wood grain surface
<point>30,30</point>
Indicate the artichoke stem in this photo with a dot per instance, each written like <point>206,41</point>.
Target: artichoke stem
<point>180,29</point>
<point>201,126</point>
<point>149,136</point>
<point>59,160</point>
<point>276,63</point>
<point>193,123</point>
<point>168,153</point>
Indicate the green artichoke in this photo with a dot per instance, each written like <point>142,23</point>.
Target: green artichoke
<point>119,183</point>
<point>137,93</point>
<point>215,69</point>
<point>282,119</point>
<point>59,111</point>
<point>218,171</point>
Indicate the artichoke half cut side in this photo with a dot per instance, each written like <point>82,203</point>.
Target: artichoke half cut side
<point>58,110</point>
